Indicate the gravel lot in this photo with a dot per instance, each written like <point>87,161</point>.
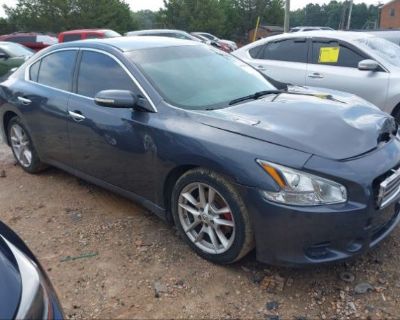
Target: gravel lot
<point>108,257</point>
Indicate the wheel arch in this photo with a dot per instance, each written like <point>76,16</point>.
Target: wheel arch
<point>169,184</point>
<point>8,115</point>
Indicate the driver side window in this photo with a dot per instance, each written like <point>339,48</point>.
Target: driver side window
<point>99,72</point>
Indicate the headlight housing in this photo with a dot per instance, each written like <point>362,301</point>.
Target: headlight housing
<point>300,188</point>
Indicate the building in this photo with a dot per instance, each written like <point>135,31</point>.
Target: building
<point>265,31</point>
<point>390,15</point>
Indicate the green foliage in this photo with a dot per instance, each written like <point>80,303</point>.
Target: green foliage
<point>60,15</point>
<point>334,15</point>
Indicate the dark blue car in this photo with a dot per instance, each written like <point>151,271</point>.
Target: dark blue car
<point>205,141</point>
<point>25,290</point>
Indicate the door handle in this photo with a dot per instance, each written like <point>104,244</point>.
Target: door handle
<point>76,116</point>
<point>261,68</point>
<point>316,75</point>
<point>24,101</point>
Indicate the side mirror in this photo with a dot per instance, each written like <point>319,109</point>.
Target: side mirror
<point>4,55</point>
<point>368,65</point>
<point>116,99</point>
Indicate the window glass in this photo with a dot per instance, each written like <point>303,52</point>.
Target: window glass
<point>34,71</point>
<point>293,50</point>
<point>255,52</point>
<point>111,34</point>
<point>16,49</point>
<point>99,72</point>
<point>22,39</point>
<point>385,49</point>
<point>56,70</point>
<point>93,36</point>
<point>344,56</point>
<point>198,77</point>
<point>72,37</point>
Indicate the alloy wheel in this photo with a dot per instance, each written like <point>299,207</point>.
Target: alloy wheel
<point>206,218</point>
<point>21,145</point>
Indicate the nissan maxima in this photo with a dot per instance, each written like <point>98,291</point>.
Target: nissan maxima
<point>234,159</point>
<point>25,290</point>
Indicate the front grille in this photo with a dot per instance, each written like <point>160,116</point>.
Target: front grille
<point>389,189</point>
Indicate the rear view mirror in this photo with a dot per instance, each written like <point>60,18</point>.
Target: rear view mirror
<point>116,99</point>
<point>368,65</point>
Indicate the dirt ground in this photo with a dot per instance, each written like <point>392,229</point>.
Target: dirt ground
<point>110,258</point>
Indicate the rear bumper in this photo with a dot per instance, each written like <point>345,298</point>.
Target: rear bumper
<point>298,236</point>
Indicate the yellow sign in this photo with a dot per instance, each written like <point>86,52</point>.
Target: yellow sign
<point>328,54</point>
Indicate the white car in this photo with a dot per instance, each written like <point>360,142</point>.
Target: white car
<point>354,62</point>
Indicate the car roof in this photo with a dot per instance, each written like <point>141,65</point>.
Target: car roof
<point>126,44</point>
<point>83,30</point>
<point>155,31</point>
<point>339,35</point>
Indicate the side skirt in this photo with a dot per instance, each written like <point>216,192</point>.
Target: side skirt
<point>151,206</point>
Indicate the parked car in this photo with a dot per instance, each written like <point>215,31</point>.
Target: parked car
<point>25,291</point>
<point>12,55</point>
<point>34,41</point>
<point>390,35</point>
<point>299,29</point>
<point>231,44</point>
<point>205,141</point>
<point>355,62</point>
<point>221,46</point>
<point>82,34</point>
<point>178,34</point>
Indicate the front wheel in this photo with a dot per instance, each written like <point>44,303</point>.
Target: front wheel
<point>210,215</point>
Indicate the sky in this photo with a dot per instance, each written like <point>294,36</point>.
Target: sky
<point>157,4</point>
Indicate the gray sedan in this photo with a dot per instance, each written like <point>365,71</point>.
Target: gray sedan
<point>354,62</point>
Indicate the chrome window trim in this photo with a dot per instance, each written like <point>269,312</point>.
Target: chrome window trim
<point>27,73</point>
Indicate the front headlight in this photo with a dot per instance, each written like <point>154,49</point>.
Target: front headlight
<point>300,188</point>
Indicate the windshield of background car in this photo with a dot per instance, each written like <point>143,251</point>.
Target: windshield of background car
<point>198,77</point>
<point>16,50</point>
<point>383,48</point>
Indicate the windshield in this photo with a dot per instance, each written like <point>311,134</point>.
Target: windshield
<point>111,34</point>
<point>198,77</point>
<point>16,50</point>
<point>383,48</point>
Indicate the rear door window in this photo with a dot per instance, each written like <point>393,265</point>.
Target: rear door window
<point>99,72</point>
<point>334,53</point>
<point>93,36</point>
<point>291,50</point>
<point>57,68</point>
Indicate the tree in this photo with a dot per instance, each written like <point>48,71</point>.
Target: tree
<point>60,15</point>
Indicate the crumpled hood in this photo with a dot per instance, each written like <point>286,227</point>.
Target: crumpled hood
<point>326,123</point>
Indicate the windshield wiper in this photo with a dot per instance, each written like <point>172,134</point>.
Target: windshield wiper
<point>255,96</point>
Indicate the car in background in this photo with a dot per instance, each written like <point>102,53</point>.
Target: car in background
<point>178,34</point>
<point>354,62</point>
<point>390,35</point>
<point>34,41</point>
<point>25,290</point>
<point>12,55</point>
<point>82,34</point>
<point>231,44</point>
<point>300,29</point>
<point>219,45</point>
<point>205,141</point>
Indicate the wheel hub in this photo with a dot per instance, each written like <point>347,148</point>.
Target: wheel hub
<point>203,215</point>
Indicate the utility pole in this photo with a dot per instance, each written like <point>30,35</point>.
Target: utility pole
<point>349,17</point>
<point>287,16</point>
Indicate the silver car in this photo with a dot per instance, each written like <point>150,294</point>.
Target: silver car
<point>170,33</point>
<point>354,62</point>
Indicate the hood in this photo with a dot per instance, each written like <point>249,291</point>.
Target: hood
<point>325,123</point>
<point>10,282</point>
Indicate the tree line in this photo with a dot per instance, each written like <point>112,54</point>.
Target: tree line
<point>225,18</point>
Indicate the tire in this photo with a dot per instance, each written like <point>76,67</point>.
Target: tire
<point>204,218</point>
<point>32,163</point>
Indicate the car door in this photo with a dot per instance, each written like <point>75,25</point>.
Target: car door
<point>283,60</point>
<point>44,99</point>
<point>334,65</point>
<point>109,144</point>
